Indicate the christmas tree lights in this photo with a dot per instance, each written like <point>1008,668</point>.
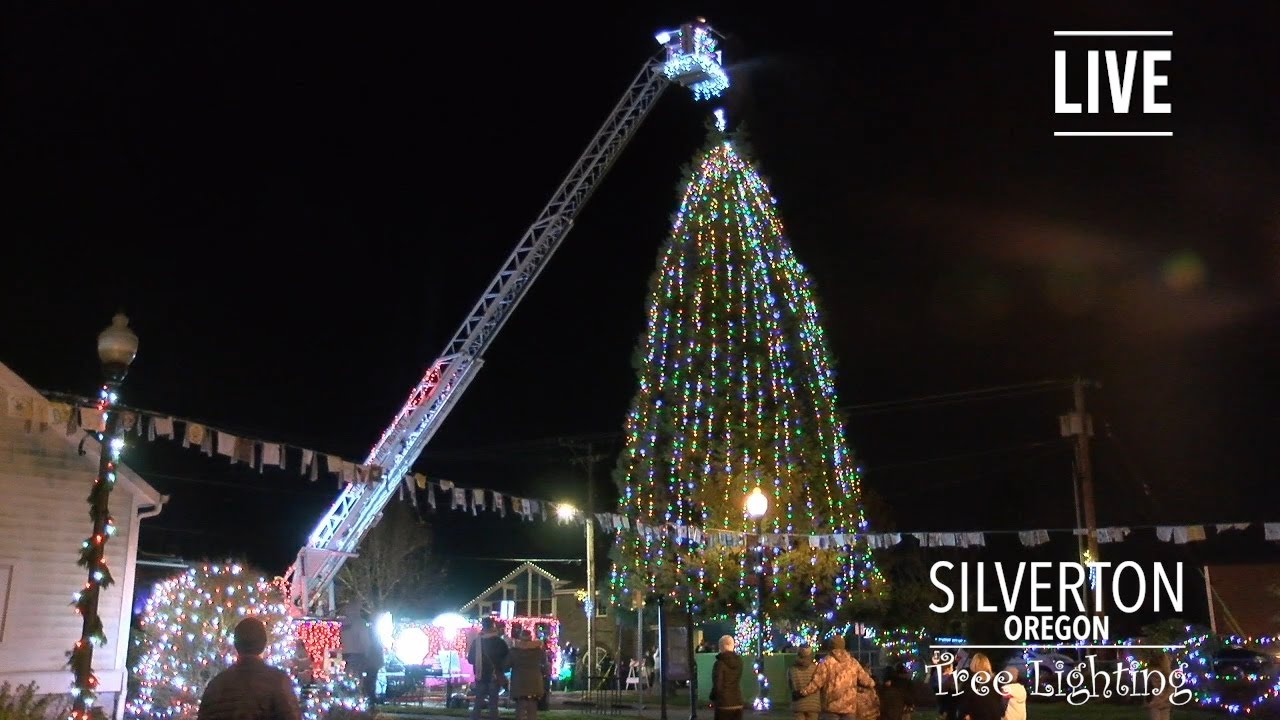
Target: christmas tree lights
<point>736,391</point>
<point>188,627</point>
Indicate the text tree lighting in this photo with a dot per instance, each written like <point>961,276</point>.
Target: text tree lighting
<point>187,631</point>
<point>736,390</point>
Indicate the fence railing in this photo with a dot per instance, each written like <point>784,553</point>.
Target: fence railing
<point>602,695</point>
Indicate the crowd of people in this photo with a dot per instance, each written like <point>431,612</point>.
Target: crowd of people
<point>837,685</point>
<point>528,660</point>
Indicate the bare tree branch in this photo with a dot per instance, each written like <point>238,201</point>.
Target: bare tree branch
<point>394,570</point>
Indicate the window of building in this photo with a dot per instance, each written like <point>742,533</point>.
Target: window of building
<point>602,610</point>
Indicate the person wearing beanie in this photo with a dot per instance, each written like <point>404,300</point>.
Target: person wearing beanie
<point>487,653</point>
<point>842,679</point>
<point>530,670</point>
<point>250,689</point>
<point>801,674</point>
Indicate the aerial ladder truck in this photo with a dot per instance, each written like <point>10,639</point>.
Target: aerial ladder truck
<point>690,57</point>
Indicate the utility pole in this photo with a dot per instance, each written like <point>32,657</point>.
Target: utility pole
<point>590,458</point>
<point>1079,424</point>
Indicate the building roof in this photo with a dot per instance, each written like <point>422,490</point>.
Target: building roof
<point>11,383</point>
<point>556,582</point>
<point>1245,599</point>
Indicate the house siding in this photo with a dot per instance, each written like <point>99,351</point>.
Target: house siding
<point>573,622</point>
<point>43,521</point>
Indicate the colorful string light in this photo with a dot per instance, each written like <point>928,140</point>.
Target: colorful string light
<point>187,630</point>
<point>701,57</point>
<point>84,689</point>
<point>1250,692</point>
<point>736,391</point>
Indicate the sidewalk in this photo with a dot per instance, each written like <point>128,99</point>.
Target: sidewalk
<point>569,706</point>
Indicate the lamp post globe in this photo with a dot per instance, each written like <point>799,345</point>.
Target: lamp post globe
<point>757,504</point>
<point>117,347</point>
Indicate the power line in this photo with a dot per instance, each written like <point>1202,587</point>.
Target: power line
<point>1055,443</point>
<point>573,561</point>
<point>1046,451</point>
<point>997,392</point>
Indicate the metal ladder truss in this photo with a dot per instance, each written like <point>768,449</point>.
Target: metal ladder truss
<point>358,507</point>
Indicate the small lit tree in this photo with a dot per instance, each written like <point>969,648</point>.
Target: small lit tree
<point>187,638</point>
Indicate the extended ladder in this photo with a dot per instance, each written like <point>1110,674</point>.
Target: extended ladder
<point>691,58</point>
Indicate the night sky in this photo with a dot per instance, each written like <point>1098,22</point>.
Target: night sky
<point>297,205</point>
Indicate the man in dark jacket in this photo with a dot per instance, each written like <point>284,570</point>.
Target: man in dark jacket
<point>897,693</point>
<point>488,656</point>
<point>726,682</point>
<point>250,689</point>
<point>360,650</point>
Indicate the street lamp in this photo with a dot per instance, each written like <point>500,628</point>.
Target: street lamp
<point>757,506</point>
<point>567,512</point>
<point>117,347</point>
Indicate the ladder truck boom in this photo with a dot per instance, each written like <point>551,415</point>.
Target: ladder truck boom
<point>691,58</point>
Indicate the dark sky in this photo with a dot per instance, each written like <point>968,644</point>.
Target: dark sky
<point>296,205</point>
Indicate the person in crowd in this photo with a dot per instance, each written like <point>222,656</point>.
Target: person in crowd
<point>360,653</point>
<point>250,689</point>
<point>1015,696</point>
<point>726,682</point>
<point>544,703</point>
<point>1160,706</point>
<point>487,654</point>
<point>946,694</point>
<point>897,694</point>
<point>303,667</point>
<point>841,678</point>
<point>801,674</point>
<point>530,671</point>
<point>979,700</point>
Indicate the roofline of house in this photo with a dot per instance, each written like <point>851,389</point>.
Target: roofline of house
<point>555,581</point>
<point>87,445</point>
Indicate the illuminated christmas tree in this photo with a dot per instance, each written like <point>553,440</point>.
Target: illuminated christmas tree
<point>187,631</point>
<point>737,393</point>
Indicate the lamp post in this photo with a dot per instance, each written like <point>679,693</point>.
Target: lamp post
<point>117,347</point>
<point>566,513</point>
<point>757,506</point>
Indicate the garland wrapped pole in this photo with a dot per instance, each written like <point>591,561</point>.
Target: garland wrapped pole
<point>117,347</point>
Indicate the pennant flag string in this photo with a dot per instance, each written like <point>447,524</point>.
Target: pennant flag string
<point>74,413</point>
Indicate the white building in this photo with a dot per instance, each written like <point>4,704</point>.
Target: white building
<point>44,517</point>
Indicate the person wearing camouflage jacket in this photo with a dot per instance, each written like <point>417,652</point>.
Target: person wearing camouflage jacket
<point>842,679</point>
